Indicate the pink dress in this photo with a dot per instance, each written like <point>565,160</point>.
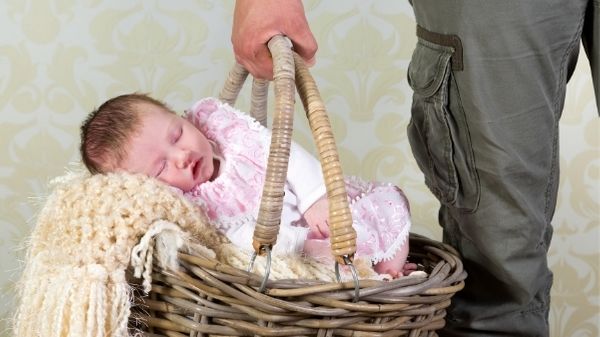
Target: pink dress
<point>380,211</point>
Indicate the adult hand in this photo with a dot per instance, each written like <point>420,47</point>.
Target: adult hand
<point>255,22</point>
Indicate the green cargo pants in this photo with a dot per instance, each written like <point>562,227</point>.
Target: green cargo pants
<point>489,83</point>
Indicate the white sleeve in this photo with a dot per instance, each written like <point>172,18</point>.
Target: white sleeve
<point>305,177</point>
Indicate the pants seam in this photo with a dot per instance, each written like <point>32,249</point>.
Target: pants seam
<point>561,87</point>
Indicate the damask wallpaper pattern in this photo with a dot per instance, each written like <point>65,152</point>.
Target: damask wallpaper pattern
<point>59,59</point>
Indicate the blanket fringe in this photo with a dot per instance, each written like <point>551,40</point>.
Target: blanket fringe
<point>73,302</point>
<point>167,238</point>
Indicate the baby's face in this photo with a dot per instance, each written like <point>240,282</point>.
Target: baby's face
<point>169,148</point>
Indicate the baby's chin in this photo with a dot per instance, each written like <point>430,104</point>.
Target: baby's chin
<point>201,179</point>
<point>193,183</point>
<point>186,186</point>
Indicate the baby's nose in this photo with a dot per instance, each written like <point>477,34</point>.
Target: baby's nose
<point>183,159</point>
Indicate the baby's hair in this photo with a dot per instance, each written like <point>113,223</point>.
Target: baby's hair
<point>106,130</point>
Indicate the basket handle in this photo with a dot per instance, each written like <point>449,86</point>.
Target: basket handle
<point>260,88</point>
<point>289,69</point>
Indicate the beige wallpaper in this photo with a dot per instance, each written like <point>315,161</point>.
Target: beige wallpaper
<point>61,58</point>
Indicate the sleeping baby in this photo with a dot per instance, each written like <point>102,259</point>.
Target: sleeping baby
<point>217,157</point>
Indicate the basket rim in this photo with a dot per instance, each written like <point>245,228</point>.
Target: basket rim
<point>446,277</point>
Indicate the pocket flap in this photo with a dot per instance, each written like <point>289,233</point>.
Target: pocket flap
<point>428,66</point>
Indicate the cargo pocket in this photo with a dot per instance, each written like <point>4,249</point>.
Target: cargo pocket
<point>438,132</point>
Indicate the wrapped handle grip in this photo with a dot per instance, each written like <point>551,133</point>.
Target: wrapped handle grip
<point>289,70</point>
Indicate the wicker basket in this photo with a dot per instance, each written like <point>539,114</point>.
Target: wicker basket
<point>208,298</point>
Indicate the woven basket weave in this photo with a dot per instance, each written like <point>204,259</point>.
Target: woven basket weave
<point>208,298</point>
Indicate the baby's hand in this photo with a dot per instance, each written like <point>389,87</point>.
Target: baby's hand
<point>317,218</point>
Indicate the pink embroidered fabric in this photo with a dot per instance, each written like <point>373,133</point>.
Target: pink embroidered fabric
<point>381,219</point>
<point>237,189</point>
<point>380,211</point>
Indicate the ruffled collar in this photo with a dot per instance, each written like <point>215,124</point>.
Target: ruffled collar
<point>235,193</point>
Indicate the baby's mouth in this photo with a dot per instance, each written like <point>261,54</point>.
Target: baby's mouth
<point>196,168</point>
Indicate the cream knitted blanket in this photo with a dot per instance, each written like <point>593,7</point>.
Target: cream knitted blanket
<point>74,280</point>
